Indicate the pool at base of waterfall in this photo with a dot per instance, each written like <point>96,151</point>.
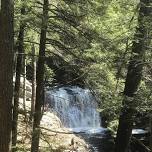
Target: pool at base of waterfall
<point>99,139</point>
<point>89,130</point>
<point>98,144</point>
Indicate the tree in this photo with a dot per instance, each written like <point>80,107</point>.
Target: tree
<point>133,78</point>
<point>40,80</point>
<point>20,49</point>
<point>33,82</point>
<point>6,74</point>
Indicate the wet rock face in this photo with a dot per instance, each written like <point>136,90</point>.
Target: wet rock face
<point>75,106</point>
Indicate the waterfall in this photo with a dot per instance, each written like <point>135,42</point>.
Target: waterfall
<point>76,107</point>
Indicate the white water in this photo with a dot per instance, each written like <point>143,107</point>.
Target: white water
<point>76,107</point>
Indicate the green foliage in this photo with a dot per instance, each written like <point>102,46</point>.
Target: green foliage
<point>48,75</point>
<point>113,126</point>
<point>94,35</point>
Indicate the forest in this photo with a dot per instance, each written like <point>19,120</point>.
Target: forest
<point>75,76</point>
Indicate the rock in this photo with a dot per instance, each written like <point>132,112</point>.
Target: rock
<point>28,87</point>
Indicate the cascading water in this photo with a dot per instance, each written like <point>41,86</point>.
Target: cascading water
<point>77,110</point>
<point>76,107</point>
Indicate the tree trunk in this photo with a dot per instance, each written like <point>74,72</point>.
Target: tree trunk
<point>20,49</point>
<point>6,73</point>
<point>40,81</point>
<point>24,89</point>
<point>33,83</point>
<point>133,79</point>
<point>150,127</point>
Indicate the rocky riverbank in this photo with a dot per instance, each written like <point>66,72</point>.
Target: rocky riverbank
<point>54,137</point>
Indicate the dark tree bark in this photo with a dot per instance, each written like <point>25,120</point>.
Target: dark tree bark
<point>133,78</point>
<point>33,83</point>
<point>24,89</point>
<point>20,48</point>
<point>6,73</point>
<point>40,81</point>
<point>150,126</point>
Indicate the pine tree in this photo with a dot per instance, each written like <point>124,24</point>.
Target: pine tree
<point>133,78</point>
<point>19,65</point>
<point>40,80</point>
<point>6,74</point>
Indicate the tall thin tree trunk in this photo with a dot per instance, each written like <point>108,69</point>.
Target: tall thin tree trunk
<point>33,83</point>
<point>24,89</point>
<point>17,81</point>
<point>150,126</point>
<point>40,81</point>
<point>133,79</point>
<point>6,73</point>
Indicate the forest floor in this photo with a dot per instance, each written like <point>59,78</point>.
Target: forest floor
<point>54,137</point>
